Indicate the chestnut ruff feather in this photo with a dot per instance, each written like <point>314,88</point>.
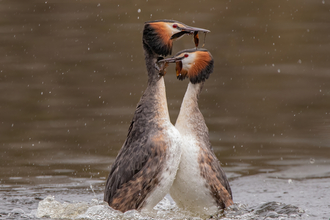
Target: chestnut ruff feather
<point>157,36</point>
<point>202,67</point>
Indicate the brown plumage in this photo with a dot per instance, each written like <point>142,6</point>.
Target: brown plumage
<point>211,170</point>
<point>132,194</point>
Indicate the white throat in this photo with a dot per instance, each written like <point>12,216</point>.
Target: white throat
<point>188,107</point>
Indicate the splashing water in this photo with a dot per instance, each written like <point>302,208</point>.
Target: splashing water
<point>166,209</point>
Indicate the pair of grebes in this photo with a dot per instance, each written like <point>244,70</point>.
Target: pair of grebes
<point>157,157</point>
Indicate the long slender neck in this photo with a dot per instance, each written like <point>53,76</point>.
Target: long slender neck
<point>154,101</point>
<point>190,120</point>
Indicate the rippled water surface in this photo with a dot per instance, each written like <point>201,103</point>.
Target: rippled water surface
<point>72,73</point>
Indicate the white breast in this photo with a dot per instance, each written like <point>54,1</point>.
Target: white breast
<point>173,156</point>
<point>189,189</point>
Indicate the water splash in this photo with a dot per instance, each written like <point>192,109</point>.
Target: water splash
<point>166,209</point>
<point>50,208</point>
<point>269,210</point>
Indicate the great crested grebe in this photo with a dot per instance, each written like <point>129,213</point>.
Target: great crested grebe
<point>146,165</point>
<point>200,186</point>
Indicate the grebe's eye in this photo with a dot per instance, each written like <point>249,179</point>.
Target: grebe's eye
<point>186,55</point>
<point>175,25</point>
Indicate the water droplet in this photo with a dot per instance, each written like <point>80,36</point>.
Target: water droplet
<point>278,70</point>
<point>312,160</point>
<point>139,10</point>
<point>299,61</point>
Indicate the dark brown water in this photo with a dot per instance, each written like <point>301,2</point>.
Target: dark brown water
<point>72,73</point>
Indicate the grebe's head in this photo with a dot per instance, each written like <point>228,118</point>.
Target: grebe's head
<point>160,34</point>
<point>195,64</point>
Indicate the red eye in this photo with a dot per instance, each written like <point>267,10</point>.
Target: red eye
<point>186,55</point>
<point>175,25</point>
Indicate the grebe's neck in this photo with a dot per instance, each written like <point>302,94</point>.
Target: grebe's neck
<point>154,101</point>
<point>190,120</point>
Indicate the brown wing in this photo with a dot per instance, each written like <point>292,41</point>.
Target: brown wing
<point>215,177</point>
<point>135,173</point>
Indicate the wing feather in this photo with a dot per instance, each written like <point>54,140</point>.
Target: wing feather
<point>216,178</point>
<point>136,170</point>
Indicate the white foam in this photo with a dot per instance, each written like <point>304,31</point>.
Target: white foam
<point>166,209</point>
<point>96,209</point>
<point>50,208</point>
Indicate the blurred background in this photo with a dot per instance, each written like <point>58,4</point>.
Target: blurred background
<point>72,72</point>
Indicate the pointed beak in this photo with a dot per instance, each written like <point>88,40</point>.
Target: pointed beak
<point>180,74</point>
<point>191,30</point>
<point>188,30</point>
<point>170,60</point>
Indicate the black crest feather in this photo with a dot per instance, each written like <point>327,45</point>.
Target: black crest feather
<point>152,38</point>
